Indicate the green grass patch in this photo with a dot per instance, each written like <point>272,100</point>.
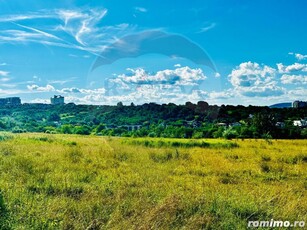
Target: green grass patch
<point>177,143</point>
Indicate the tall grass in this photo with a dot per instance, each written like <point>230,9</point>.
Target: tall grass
<point>75,182</point>
<point>163,142</point>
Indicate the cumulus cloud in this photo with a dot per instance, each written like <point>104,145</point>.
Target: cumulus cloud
<point>249,74</point>
<point>254,80</point>
<point>291,68</point>
<point>141,94</point>
<point>294,79</point>
<point>298,56</point>
<point>99,91</point>
<point>183,76</point>
<point>270,90</point>
<point>47,88</point>
<point>222,94</point>
<point>70,90</point>
<point>298,93</point>
<point>73,90</point>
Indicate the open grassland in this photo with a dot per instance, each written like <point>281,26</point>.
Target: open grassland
<point>77,182</point>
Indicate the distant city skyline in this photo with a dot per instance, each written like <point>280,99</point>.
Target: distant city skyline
<point>257,49</point>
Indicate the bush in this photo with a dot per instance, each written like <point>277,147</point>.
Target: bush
<point>230,134</point>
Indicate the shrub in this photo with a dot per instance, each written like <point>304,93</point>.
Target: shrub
<point>230,134</point>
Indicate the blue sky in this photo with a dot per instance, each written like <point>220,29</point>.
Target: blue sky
<point>257,49</point>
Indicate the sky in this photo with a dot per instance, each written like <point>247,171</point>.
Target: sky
<point>107,51</point>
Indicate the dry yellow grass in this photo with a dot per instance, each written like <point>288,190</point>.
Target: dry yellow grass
<point>79,182</point>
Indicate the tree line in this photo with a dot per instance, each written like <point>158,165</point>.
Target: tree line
<point>191,120</point>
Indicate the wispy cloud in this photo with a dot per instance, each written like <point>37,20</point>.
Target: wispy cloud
<point>4,79</point>
<point>45,34</point>
<point>207,28</point>
<point>81,25</point>
<point>140,9</point>
<point>74,29</point>
<point>62,82</point>
<point>77,56</point>
<point>4,73</point>
<point>30,16</point>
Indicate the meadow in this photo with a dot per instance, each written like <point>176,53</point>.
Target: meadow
<point>88,182</point>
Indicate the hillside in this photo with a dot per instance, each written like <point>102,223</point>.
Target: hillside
<point>282,105</point>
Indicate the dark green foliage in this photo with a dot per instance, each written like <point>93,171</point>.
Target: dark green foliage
<point>153,120</point>
<point>158,143</point>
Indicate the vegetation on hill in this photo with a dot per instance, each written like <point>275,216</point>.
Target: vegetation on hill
<point>88,182</point>
<point>168,120</point>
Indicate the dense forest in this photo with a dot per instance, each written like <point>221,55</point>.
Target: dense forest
<point>199,120</point>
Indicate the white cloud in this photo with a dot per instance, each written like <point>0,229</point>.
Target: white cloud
<point>81,29</point>
<point>70,90</point>
<point>294,79</point>
<point>183,76</point>
<point>61,82</point>
<point>47,88</point>
<point>298,56</point>
<point>269,90</point>
<point>298,93</point>
<point>140,9</point>
<point>254,80</point>
<point>76,56</point>
<point>141,94</point>
<point>4,73</point>
<point>5,79</point>
<point>6,92</point>
<point>206,28</point>
<point>99,91</point>
<point>222,94</point>
<point>88,92</point>
<point>3,64</point>
<point>40,100</point>
<point>291,68</point>
<point>8,85</point>
<point>14,35</point>
<point>81,24</point>
<point>16,18</point>
<point>73,90</point>
<point>249,74</point>
<point>44,34</point>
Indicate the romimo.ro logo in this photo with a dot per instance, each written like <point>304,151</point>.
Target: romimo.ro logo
<point>275,223</point>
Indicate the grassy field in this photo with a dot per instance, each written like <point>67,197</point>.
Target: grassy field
<point>84,182</point>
